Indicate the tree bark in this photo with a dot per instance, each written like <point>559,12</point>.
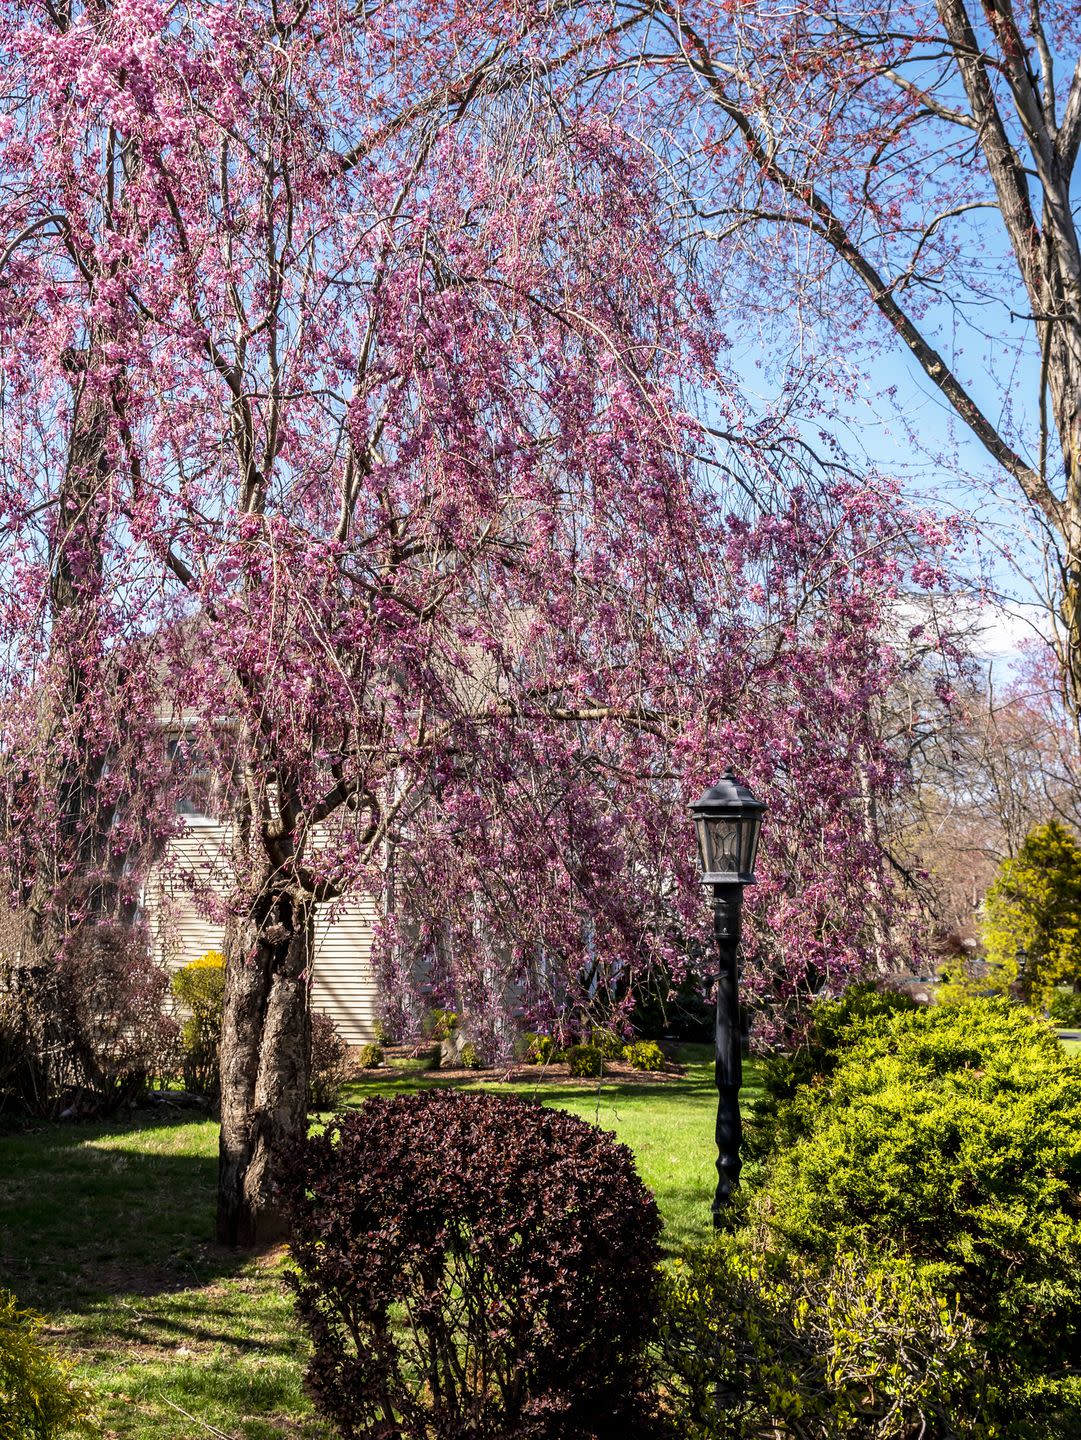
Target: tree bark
<point>265,1052</point>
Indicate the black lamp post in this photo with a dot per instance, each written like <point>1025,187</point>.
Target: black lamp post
<point>727,820</point>
<point>1022,969</point>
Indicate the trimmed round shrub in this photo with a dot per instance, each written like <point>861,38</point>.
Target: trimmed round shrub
<point>952,1135</point>
<point>644,1055</point>
<point>200,989</point>
<point>39,1398</point>
<point>608,1043</point>
<point>469,1056</point>
<point>541,1050</point>
<point>370,1057</point>
<point>473,1266</point>
<point>584,1060</point>
<point>757,1345</point>
<point>327,1071</point>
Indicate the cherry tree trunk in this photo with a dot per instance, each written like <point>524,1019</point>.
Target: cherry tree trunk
<point>265,1050</point>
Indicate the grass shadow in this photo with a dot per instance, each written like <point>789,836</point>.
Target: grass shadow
<point>119,1207</point>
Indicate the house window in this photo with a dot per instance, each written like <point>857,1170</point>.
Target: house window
<point>194,792</point>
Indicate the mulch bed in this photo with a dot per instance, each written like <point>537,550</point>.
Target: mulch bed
<point>615,1072</point>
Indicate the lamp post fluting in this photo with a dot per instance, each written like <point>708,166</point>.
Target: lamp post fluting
<point>727,822</point>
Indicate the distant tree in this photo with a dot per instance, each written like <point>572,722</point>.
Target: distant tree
<point>893,172</point>
<point>997,761</point>
<point>1034,905</point>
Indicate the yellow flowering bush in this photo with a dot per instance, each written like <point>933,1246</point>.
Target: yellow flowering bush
<point>200,989</point>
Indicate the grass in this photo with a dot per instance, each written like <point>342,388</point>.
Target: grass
<point>105,1229</point>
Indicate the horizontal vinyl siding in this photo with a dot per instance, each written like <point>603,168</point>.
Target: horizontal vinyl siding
<point>343,980</point>
<point>344,983</point>
<point>181,930</point>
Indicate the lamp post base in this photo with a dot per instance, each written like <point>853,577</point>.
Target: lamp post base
<point>729,1138</point>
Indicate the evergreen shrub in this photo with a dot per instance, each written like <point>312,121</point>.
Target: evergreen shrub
<point>541,1050</point>
<point>474,1266</point>
<point>608,1043</point>
<point>831,1028</point>
<point>441,1024</point>
<point>327,1068</point>
<point>1065,1009</point>
<point>584,1060</point>
<point>1034,904</point>
<point>39,1396</point>
<point>951,1136</point>
<point>757,1344</point>
<point>381,1033</point>
<point>370,1057</point>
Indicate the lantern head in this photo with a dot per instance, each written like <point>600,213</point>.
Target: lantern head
<point>727,821</point>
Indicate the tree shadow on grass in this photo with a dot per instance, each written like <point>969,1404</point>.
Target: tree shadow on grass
<point>118,1208</point>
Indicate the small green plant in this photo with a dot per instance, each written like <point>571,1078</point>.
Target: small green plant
<point>327,1071</point>
<point>39,1396</point>
<point>644,1055</point>
<point>608,1043</point>
<point>442,1024</point>
<point>200,989</point>
<point>585,1060</point>
<point>469,1056</point>
<point>381,1034</point>
<point>541,1050</point>
<point>370,1057</point>
<point>1065,1009</point>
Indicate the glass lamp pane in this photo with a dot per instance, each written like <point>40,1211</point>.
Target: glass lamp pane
<point>703,844</point>
<point>751,829</point>
<point>724,845</point>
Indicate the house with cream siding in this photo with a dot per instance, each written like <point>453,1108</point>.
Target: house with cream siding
<point>344,982</point>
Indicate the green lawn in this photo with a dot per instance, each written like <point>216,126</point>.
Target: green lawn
<point>106,1228</point>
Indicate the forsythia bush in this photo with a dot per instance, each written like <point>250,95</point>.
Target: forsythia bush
<point>950,1137</point>
<point>758,1345</point>
<point>39,1399</point>
<point>200,988</point>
